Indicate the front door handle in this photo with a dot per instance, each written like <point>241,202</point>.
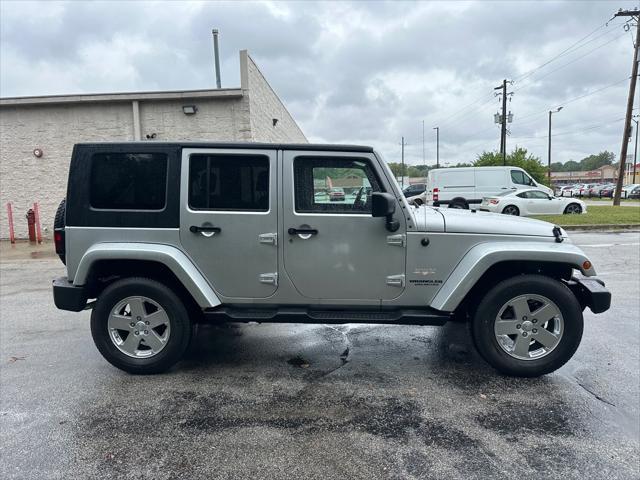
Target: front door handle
<point>206,229</point>
<point>302,231</point>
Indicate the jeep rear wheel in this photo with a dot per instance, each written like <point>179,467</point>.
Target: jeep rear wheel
<point>528,325</point>
<point>140,326</point>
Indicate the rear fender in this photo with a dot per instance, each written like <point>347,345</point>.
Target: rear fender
<point>174,259</point>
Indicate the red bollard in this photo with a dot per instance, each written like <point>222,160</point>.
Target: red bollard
<point>36,210</point>
<point>12,233</point>
<point>31,223</point>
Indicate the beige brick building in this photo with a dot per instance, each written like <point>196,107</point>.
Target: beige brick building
<point>53,124</point>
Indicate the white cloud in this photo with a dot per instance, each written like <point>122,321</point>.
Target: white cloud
<point>349,71</point>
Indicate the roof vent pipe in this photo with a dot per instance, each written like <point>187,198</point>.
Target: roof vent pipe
<point>216,56</point>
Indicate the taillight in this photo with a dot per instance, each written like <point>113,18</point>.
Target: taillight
<point>58,240</point>
<point>435,194</point>
<point>494,201</point>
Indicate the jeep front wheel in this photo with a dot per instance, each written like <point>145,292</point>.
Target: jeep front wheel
<point>528,325</point>
<point>140,326</point>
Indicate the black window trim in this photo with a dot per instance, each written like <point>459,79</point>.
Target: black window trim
<point>131,210</point>
<point>240,211</point>
<point>367,160</point>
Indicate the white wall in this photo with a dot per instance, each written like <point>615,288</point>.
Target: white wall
<point>265,105</point>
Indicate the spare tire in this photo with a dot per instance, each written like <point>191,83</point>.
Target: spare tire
<point>58,222</point>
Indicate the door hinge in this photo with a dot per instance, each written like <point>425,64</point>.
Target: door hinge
<point>270,238</point>
<point>395,280</point>
<point>397,240</point>
<point>269,278</point>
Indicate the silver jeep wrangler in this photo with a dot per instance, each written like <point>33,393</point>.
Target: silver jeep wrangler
<point>159,236</point>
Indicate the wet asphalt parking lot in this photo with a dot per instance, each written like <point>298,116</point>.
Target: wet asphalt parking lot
<point>316,401</point>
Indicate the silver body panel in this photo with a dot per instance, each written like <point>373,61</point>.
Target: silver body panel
<point>168,255</point>
<point>353,260</point>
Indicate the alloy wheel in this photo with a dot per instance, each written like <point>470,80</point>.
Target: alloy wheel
<point>139,327</point>
<point>529,327</point>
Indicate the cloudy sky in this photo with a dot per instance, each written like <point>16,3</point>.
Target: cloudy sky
<point>351,72</point>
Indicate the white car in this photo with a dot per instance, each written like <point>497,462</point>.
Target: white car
<point>531,202</point>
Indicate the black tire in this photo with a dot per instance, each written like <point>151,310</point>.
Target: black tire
<point>511,210</point>
<point>59,222</point>
<point>482,327</point>
<point>180,324</point>
<point>459,204</point>
<point>567,212</point>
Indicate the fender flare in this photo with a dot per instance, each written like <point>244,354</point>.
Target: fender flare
<point>174,259</point>
<point>483,256</point>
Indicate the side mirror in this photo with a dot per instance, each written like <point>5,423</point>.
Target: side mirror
<point>384,205</point>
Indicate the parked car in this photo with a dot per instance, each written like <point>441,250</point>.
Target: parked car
<point>414,189</point>
<point>607,190</point>
<point>565,190</point>
<point>466,186</point>
<point>159,236</point>
<point>531,202</point>
<point>635,193</point>
<point>336,195</point>
<point>627,189</point>
<point>582,190</point>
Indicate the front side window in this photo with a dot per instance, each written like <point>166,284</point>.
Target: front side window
<point>128,181</point>
<point>334,185</point>
<point>229,182</point>
<point>521,178</point>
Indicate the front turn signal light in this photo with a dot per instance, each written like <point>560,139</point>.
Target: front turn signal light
<point>586,265</point>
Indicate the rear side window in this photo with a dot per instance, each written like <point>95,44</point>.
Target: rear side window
<point>229,182</point>
<point>128,181</point>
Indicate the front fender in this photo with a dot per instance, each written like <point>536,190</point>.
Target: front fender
<point>481,257</point>
<point>181,266</point>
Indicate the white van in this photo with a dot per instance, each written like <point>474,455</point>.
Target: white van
<point>465,186</point>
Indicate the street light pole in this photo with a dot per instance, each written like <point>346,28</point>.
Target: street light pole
<point>551,112</point>
<point>437,129</point>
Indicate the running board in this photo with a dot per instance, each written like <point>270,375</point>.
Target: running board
<point>301,315</point>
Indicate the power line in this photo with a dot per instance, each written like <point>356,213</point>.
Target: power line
<point>571,100</point>
<point>572,132</point>
<point>446,120</point>
<point>589,52</point>
<point>567,50</point>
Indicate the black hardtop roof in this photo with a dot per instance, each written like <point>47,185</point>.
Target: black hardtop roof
<point>241,145</point>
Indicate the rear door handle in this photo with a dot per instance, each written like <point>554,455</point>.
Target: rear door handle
<point>206,229</point>
<point>302,231</point>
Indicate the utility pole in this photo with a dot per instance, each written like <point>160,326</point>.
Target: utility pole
<point>402,171</point>
<point>635,152</point>
<point>632,90</point>
<point>437,129</point>
<point>551,112</point>
<point>503,119</point>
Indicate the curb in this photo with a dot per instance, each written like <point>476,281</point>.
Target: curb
<point>604,227</point>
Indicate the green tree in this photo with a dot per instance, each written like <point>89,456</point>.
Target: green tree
<point>414,172</point>
<point>598,160</point>
<point>557,167</point>
<point>517,158</point>
<point>396,169</point>
<point>571,166</point>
